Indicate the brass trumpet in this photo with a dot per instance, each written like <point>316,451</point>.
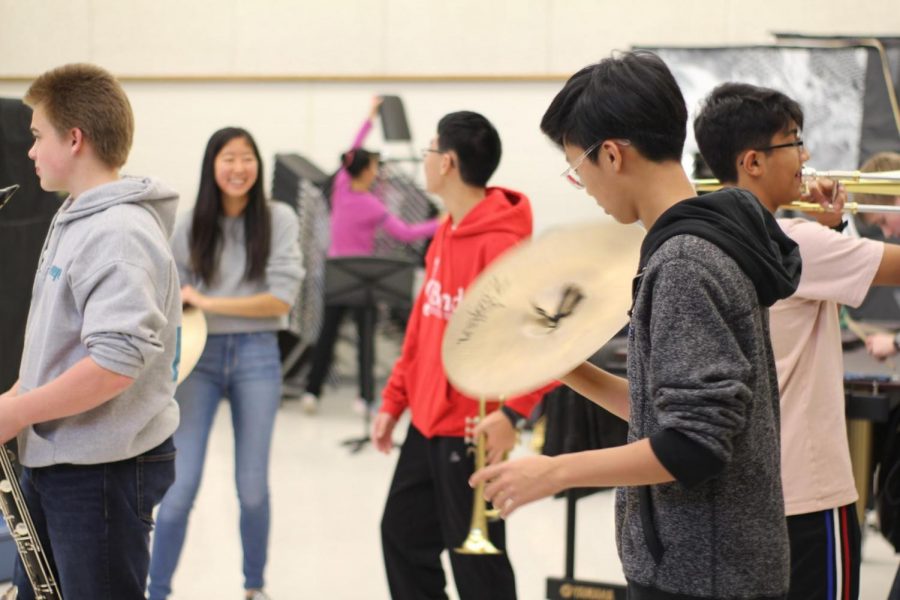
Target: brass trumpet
<point>884,183</point>
<point>477,542</point>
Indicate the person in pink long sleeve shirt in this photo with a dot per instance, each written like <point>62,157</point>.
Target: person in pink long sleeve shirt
<point>357,215</point>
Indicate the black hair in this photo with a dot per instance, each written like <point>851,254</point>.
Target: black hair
<point>475,142</point>
<point>358,160</point>
<point>206,233</point>
<point>631,95</point>
<point>736,117</point>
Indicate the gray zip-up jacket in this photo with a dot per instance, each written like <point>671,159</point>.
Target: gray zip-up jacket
<point>106,287</point>
<point>704,390</point>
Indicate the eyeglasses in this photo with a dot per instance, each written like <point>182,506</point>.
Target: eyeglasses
<point>424,152</point>
<point>571,174</point>
<point>798,144</point>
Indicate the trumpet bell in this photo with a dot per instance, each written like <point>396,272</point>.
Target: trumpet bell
<point>477,542</point>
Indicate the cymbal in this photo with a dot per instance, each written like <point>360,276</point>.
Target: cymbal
<point>541,309</point>
<point>193,340</point>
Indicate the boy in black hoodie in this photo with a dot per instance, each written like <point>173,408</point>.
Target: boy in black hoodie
<point>699,510</point>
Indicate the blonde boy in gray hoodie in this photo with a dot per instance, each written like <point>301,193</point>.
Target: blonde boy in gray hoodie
<point>93,408</point>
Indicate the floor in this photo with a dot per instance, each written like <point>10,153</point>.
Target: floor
<point>326,507</point>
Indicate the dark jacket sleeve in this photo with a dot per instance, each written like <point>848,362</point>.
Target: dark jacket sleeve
<point>700,378</point>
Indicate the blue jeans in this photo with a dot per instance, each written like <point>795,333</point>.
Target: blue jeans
<point>245,368</point>
<point>95,521</point>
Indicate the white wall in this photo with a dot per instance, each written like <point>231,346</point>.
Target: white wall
<point>299,74</point>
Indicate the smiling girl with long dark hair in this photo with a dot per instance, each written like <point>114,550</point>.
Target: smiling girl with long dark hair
<point>239,262</point>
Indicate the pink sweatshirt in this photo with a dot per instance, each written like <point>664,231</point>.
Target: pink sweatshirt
<point>357,216</point>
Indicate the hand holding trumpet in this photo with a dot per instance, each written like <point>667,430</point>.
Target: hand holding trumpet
<point>500,436</point>
<point>515,483</point>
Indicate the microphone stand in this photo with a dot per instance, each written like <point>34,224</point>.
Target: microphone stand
<point>7,193</point>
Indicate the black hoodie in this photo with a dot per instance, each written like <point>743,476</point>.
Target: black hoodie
<point>735,221</point>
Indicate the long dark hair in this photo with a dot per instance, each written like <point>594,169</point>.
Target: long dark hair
<point>205,235</point>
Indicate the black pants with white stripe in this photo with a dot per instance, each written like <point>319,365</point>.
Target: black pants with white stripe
<point>825,548</point>
<point>428,510</point>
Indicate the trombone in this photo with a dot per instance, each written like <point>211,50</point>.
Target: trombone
<point>884,183</point>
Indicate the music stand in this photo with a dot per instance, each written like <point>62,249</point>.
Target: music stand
<point>364,282</point>
<point>395,127</point>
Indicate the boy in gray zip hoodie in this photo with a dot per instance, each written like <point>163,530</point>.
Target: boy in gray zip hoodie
<point>699,509</point>
<point>93,407</point>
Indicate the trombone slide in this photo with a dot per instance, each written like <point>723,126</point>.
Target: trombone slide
<point>886,187</point>
<point>851,208</point>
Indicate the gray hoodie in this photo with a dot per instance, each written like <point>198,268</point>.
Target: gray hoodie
<point>106,287</point>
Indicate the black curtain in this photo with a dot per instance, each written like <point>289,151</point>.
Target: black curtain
<point>23,225</point>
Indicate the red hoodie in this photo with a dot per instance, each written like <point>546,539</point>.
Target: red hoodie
<point>457,255</point>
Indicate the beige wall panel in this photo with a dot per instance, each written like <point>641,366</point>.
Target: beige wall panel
<point>467,36</point>
<point>309,37</point>
<point>40,35</point>
<point>156,37</point>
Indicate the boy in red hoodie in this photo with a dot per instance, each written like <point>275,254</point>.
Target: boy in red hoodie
<point>430,502</point>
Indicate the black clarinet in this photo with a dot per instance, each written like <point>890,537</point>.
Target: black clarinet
<point>15,513</point>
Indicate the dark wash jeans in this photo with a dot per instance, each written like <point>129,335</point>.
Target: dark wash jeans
<point>94,522</point>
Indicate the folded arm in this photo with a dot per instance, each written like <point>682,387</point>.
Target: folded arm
<point>255,306</point>
<point>85,385</point>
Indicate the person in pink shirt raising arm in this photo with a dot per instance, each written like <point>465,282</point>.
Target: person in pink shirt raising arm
<point>357,214</point>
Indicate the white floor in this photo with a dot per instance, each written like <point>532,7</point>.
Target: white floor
<point>326,509</point>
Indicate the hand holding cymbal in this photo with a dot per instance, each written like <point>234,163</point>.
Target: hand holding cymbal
<point>192,340</point>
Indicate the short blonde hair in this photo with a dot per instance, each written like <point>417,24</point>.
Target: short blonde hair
<point>89,98</point>
<point>877,163</point>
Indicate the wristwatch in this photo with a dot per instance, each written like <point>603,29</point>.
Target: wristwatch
<point>517,420</point>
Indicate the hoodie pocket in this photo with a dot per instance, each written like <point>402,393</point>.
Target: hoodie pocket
<point>648,525</point>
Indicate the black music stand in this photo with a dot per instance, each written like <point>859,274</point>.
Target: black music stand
<point>395,127</point>
<point>365,282</point>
